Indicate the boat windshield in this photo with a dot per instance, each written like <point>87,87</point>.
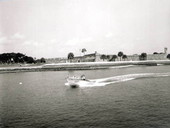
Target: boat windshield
<point>82,77</point>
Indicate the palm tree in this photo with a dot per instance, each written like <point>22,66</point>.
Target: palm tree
<point>120,54</point>
<point>113,58</point>
<point>108,57</point>
<point>124,57</point>
<point>83,51</point>
<point>70,56</point>
<point>103,57</point>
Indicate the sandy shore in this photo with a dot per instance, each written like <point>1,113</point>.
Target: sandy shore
<point>80,66</point>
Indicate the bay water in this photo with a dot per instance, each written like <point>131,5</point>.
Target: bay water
<point>134,97</point>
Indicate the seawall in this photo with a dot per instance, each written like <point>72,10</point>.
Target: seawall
<point>100,65</point>
<point>82,66</point>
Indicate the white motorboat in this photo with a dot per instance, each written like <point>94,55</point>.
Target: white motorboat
<point>75,82</point>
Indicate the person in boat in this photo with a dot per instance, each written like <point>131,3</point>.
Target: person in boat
<point>83,77</point>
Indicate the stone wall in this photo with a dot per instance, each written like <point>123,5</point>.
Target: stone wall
<point>55,60</point>
<point>95,57</point>
<point>157,57</point>
<point>149,57</point>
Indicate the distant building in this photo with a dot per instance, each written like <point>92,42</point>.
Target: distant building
<point>159,56</point>
<point>95,57</point>
<point>55,60</point>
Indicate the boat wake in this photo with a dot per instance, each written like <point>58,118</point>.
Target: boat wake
<point>117,79</point>
<point>125,66</point>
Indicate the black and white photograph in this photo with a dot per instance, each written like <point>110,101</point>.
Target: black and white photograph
<point>84,63</point>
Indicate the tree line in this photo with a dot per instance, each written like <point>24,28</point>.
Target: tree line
<point>7,58</point>
<point>121,56</point>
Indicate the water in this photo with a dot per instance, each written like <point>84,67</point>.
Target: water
<point>140,98</point>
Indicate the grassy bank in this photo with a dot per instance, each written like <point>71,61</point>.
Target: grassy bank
<point>93,65</point>
<point>79,66</point>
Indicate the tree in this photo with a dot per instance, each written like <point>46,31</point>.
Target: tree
<point>124,57</point>
<point>143,56</point>
<point>114,57</point>
<point>29,59</point>
<point>83,51</point>
<point>168,56</point>
<point>103,57</point>
<point>42,60</point>
<point>108,57</point>
<point>120,54</point>
<point>155,53</point>
<point>70,56</point>
<point>15,58</point>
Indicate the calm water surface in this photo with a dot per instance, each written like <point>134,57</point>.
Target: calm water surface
<point>41,100</point>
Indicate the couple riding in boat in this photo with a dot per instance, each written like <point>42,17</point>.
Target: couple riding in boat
<point>76,81</point>
<point>82,77</point>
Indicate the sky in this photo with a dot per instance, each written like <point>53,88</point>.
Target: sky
<point>53,28</point>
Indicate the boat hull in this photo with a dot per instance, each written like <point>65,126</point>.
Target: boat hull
<point>74,83</point>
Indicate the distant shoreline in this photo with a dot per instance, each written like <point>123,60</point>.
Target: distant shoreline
<point>78,66</point>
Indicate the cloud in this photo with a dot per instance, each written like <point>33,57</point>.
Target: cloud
<point>3,40</point>
<point>109,35</point>
<point>32,43</point>
<point>52,41</point>
<point>78,41</point>
<point>18,36</point>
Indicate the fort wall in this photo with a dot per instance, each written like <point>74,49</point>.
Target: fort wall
<point>149,57</point>
<point>96,57</point>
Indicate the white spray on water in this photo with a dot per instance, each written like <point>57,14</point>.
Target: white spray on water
<point>117,79</point>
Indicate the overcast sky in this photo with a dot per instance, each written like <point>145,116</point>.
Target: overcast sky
<point>53,28</point>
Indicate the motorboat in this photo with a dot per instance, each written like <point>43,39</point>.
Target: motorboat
<point>76,81</point>
<point>73,82</point>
